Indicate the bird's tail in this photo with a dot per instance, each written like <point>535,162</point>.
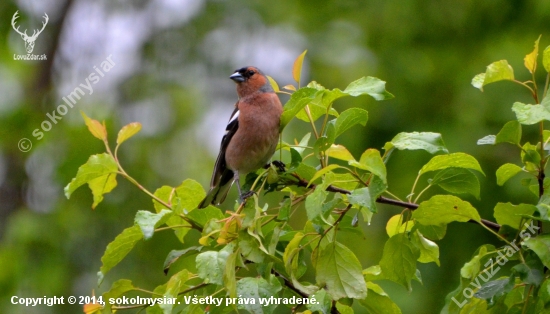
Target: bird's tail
<point>218,193</point>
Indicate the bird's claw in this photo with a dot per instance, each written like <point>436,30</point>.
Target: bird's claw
<point>246,195</point>
<point>279,164</point>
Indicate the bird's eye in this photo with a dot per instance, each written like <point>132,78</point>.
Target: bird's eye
<point>251,72</point>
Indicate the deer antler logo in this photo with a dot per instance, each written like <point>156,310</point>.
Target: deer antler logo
<point>29,40</point>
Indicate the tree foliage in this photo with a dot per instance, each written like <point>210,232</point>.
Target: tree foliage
<point>252,253</point>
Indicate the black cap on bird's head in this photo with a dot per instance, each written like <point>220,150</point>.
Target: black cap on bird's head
<point>249,80</point>
<point>244,74</point>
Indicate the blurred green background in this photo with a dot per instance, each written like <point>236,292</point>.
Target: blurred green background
<point>172,62</point>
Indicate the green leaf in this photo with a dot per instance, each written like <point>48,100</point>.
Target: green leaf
<point>530,60</point>
<point>398,262</point>
<point>505,172</point>
<point>496,71</point>
<point>175,285</point>
<point>362,197</point>
<point>340,271</point>
<point>252,289</point>
<point>373,273</point>
<point>455,160</point>
<point>229,277</point>
<point>372,162</point>
<point>429,251</point>
<point>495,288</point>
<point>147,221</point>
<point>339,152</point>
<point>120,247</point>
<point>457,180</point>
<point>97,166</point>
<point>118,288</point>
<point>541,246</point>
<point>211,264</point>
<point>101,186</point>
<point>432,232</point>
<point>444,209</point>
<point>546,59</point>
<point>349,118</point>
<point>528,274</point>
<point>531,114</point>
<point>510,132</point>
<point>297,102</point>
<point>369,85</point>
<point>509,214</point>
<point>378,302</point>
<point>430,142</point>
<point>315,201</point>
<point>322,303</point>
<point>251,248</point>
<point>174,255</point>
<point>321,172</point>
<point>297,67</point>
<point>128,131</point>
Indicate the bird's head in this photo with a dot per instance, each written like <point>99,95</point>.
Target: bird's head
<point>250,80</point>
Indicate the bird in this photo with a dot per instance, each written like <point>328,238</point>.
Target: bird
<point>251,135</point>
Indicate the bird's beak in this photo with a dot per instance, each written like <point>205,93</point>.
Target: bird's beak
<point>237,77</point>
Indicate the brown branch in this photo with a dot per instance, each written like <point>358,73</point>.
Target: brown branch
<point>384,200</point>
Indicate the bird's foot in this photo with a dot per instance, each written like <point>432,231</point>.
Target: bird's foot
<point>246,195</point>
<point>279,164</point>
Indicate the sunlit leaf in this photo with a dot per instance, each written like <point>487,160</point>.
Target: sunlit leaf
<point>339,152</point>
<point>395,225</point>
<point>505,172</point>
<point>457,180</point>
<point>101,186</point>
<point>531,114</point>
<point>455,160</point>
<point>371,161</point>
<point>96,128</point>
<point>97,166</point>
<point>273,83</point>
<point>297,67</point>
<point>128,131</point>
<point>147,221</point>
<point>429,251</point>
<point>175,285</point>
<point>349,118</point>
<point>530,60</point>
<point>120,247</point>
<point>509,214</point>
<point>546,59</point>
<point>444,209</point>
<point>369,85</point>
<point>322,172</point>
<point>428,141</point>
<point>496,71</point>
<point>297,102</point>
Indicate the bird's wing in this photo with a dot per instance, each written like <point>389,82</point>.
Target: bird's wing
<point>230,130</point>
